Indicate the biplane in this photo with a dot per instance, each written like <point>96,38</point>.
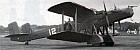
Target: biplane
<point>86,25</point>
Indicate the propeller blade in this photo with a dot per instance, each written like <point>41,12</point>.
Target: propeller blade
<point>119,23</point>
<point>113,29</point>
<point>115,8</point>
<point>104,6</point>
<point>107,20</point>
<point>76,20</point>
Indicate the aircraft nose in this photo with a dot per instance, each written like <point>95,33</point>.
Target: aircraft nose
<point>129,11</point>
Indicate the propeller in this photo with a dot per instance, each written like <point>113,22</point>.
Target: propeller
<point>131,6</point>
<point>105,13</point>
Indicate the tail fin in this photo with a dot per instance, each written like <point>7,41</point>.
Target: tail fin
<point>13,28</point>
<point>26,28</point>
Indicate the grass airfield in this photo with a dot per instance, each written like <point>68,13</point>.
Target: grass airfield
<point>121,43</point>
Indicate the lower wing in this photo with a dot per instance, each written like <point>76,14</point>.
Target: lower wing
<point>70,36</point>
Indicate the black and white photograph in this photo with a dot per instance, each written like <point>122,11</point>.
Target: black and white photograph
<point>69,24</point>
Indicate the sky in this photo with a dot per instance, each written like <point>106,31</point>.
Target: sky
<point>36,11</point>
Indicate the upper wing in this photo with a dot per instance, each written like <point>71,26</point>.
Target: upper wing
<point>69,9</point>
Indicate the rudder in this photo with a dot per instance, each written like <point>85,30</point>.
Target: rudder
<point>26,28</point>
<point>13,28</point>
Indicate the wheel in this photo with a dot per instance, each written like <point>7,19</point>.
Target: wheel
<point>97,45</point>
<point>109,44</point>
<point>26,43</point>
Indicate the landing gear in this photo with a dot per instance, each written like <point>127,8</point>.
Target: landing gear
<point>109,43</point>
<point>105,38</point>
<point>26,43</point>
<point>96,40</point>
<point>108,39</point>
